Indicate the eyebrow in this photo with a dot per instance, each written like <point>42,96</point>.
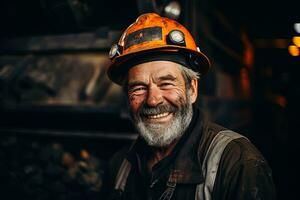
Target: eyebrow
<point>167,77</point>
<point>161,78</point>
<point>135,83</point>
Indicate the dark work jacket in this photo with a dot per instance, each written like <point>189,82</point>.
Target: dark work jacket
<point>243,173</point>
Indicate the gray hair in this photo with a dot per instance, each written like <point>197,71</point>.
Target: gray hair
<point>188,75</point>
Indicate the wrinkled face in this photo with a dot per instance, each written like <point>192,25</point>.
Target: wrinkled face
<point>160,104</point>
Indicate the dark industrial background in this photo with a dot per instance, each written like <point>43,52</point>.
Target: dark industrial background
<point>61,119</point>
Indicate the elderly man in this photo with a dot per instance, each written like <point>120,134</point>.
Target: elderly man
<point>179,154</point>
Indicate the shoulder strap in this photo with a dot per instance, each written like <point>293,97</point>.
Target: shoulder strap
<point>211,163</point>
<point>122,175</point>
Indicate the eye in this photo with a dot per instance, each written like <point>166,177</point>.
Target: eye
<point>166,85</point>
<point>137,90</point>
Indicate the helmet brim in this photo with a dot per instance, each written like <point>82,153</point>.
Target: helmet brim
<point>119,67</point>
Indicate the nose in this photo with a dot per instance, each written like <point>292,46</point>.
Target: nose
<point>154,96</point>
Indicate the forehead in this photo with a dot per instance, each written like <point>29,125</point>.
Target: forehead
<point>154,69</point>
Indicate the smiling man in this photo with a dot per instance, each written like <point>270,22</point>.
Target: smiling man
<point>161,105</point>
<point>179,154</point>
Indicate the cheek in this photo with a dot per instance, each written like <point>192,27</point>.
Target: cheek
<point>135,102</point>
<point>175,96</point>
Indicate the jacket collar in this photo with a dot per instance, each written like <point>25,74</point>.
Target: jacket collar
<point>187,164</point>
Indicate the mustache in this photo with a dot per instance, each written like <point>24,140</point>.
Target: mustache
<point>146,110</point>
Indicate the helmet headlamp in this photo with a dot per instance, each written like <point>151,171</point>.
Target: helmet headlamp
<point>177,37</point>
<point>114,51</point>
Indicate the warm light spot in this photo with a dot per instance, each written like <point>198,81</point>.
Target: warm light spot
<point>297,27</point>
<point>281,100</point>
<point>84,154</point>
<point>296,40</point>
<point>245,83</point>
<point>248,56</point>
<point>294,50</point>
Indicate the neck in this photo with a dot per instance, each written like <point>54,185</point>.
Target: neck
<point>160,153</point>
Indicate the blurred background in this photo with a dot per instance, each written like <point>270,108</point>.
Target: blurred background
<point>61,119</point>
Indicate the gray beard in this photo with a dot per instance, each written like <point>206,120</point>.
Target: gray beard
<point>162,135</point>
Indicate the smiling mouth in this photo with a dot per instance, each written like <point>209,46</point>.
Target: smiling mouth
<point>158,116</point>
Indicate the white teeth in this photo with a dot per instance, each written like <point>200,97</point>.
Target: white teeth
<point>158,116</point>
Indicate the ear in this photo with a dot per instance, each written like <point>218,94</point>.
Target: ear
<point>194,90</point>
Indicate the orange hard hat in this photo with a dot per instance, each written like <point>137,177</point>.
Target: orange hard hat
<point>149,34</point>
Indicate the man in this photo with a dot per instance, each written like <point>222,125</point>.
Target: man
<point>179,154</point>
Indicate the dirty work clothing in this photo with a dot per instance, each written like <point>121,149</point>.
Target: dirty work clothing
<point>243,173</point>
